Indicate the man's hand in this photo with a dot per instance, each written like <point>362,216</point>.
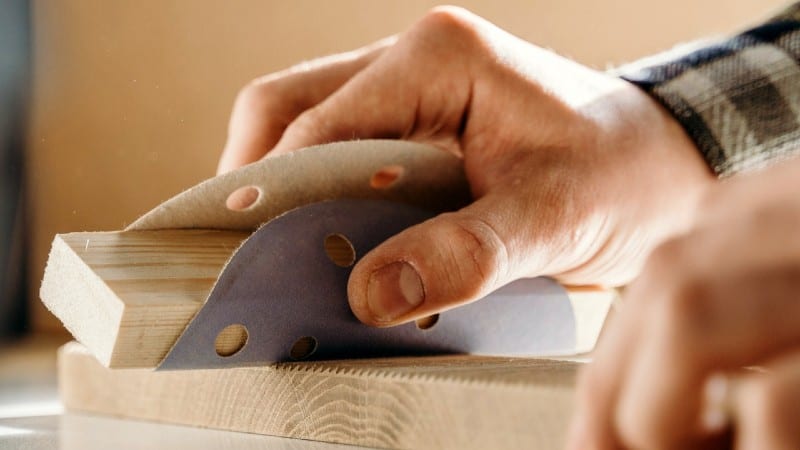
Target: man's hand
<point>575,174</point>
<point>667,374</point>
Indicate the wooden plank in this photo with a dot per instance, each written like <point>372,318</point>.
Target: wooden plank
<point>450,402</point>
<point>129,295</point>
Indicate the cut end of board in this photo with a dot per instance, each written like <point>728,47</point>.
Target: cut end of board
<point>127,296</point>
<point>73,293</point>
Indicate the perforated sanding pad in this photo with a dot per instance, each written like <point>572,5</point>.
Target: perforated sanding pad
<point>428,177</point>
<point>283,287</point>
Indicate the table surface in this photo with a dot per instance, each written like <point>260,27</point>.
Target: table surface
<point>32,418</point>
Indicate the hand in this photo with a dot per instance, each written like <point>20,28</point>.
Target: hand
<point>575,174</point>
<point>724,296</point>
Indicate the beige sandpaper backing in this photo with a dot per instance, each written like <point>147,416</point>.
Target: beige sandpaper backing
<point>392,170</point>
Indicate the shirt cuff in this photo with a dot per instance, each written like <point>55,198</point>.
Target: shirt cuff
<point>738,99</point>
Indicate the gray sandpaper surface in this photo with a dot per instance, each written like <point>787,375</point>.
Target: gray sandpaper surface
<point>282,286</point>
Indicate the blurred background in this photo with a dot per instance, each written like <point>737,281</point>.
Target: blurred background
<point>114,106</point>
<point>14,100</point>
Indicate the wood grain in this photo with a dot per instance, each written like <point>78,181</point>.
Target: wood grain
<point>447,402</point>
<point>129,295</point>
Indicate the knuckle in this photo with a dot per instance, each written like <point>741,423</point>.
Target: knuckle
<point>477,251</point>
<point>665,258</point>
<point>689,302</point>
<point>689,314</point>
<point>448,15</point>
<point>258,95</point>
<point>307,118</point>
<point>312,123</point>
<point>449,23</point>
<point>682,293</point>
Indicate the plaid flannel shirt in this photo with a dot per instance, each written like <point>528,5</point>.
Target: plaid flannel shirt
<point>738,99</point>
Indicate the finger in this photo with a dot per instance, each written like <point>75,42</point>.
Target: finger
<point>444,262</point>
<point>714,318</point>
<point>766,406</point>
<point>265,107</point>
<point>600,381</point>
<point>404,94</point>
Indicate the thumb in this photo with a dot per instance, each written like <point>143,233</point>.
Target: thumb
<point>447,261</point>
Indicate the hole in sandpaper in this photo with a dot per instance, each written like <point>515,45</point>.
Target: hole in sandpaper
<point>243,198</point>
<point>340,250</point>
<point>303,348</point>
<point>231,340</point>
<point>427,323</point>
<point>386,177</point>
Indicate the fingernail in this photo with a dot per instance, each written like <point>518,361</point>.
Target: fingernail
<point>394,290</point>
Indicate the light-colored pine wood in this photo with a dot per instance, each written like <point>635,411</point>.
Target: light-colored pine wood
<point>129,295</point>
<point>450,402</point>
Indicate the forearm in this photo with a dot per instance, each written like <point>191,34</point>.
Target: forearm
<point>738,99</point>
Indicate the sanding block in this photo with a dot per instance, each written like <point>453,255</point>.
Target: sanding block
<point>251,267</point>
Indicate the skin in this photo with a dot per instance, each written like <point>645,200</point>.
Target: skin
<point>719,298</point>
<point>575,174</point>
<point>579,176</point>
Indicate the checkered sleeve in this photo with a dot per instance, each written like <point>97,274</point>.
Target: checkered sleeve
<point>738,98</point>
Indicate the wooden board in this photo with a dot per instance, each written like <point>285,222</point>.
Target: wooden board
<point>452,402</point>
<point>128,295</point>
